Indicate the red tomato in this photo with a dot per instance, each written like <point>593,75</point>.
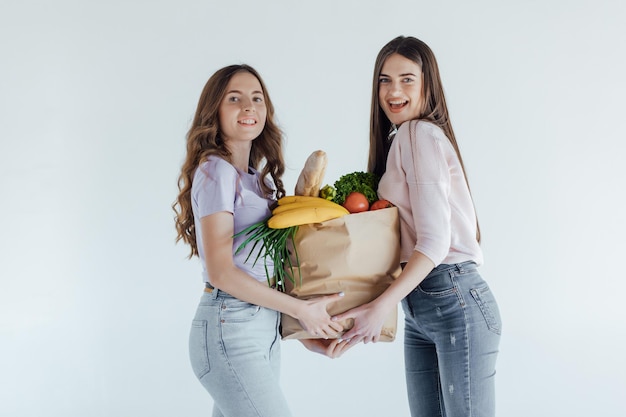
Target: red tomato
<point>380,204</point>
<point>356,202</point>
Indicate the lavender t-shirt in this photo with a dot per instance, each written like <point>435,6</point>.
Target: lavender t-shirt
<point>219,186</point>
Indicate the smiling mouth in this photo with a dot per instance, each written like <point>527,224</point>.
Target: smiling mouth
<point>397,105</point>
<point>247,122</point>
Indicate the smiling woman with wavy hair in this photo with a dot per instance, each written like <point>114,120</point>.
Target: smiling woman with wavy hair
<point>230,178</point>
<point>203,140</point>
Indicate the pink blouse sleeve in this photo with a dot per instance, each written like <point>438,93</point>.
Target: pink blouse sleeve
<point>428,179</point>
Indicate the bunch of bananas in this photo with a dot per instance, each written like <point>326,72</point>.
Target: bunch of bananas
<point>274,233</point>
<point>295,210</point>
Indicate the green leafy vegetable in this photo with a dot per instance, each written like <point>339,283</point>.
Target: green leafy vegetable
<point>328,192</point>
<point>274,243</point>
<point>362,182</point>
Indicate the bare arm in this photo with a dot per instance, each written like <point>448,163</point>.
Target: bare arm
<point>369,318</point>
<point>217,231</point>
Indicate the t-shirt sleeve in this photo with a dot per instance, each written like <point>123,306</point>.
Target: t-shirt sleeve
<point>215,187</point>
<point>429,189</point>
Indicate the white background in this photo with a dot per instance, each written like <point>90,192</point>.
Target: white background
<point>96,98</point>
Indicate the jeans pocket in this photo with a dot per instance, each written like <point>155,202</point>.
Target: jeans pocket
<point>198,350</point>
<point>437,286</point>
<point>489,308</point>
<point>237,311</point>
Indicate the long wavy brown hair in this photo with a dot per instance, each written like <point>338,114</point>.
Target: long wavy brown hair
<point>434,109</point>
<point>203,139</point>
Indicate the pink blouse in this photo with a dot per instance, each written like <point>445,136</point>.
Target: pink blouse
<point>425,181</point>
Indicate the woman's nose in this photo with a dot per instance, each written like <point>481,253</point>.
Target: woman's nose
<point>247,105</point>
<point>395,88</point>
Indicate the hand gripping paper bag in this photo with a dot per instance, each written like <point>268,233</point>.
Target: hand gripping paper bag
<point>358,254</point>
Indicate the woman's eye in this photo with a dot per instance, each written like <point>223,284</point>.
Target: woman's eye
<point>383,80</point>
<point>233,99</point>
<point>258,99</point>
<point>408,80</point>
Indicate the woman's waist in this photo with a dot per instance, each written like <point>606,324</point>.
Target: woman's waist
<point>209,288</point>
<point>461,267</point>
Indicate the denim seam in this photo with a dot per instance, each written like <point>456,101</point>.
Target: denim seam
<point>487,315</point>
<point>441,396</point>
<point>468,369</point>
<point>202,325</point>
<point>232,370</point>
<point>459,293</point>
<point>468,372</point>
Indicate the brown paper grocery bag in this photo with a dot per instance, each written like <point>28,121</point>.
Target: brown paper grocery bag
<point>358,254</point>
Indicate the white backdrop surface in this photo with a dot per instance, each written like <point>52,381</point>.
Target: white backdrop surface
<point>95,100</point>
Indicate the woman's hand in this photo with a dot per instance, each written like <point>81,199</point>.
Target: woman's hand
<point>368,322</point>
<point>333,348</point>
<point>369,318</point>
<point>314,318</point>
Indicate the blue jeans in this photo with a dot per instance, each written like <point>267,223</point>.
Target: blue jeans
<point>234,348</point>
<point>452,333</point>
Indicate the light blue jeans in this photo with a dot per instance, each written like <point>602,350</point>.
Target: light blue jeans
<point>452,333</point>
<point>234,348</point>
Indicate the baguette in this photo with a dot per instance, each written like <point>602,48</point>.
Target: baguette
<point>312,175</point>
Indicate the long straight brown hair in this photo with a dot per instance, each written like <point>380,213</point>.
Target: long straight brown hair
<point>434,110</point>
<point>203,139</point>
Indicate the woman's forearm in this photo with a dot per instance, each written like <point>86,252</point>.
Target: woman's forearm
<point>416,269</point>
<point>240,285</point>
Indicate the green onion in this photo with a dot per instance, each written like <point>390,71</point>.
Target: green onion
<point>275,245</point>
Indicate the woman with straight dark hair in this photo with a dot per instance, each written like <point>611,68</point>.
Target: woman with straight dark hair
<point>452,322</point>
